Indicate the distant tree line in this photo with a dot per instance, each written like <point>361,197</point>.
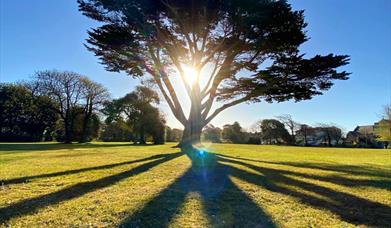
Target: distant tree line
<point>69,107</point>
<point>283,130</point>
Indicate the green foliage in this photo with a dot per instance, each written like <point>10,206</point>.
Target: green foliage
<point>274,132</point>
<point>234,133</point>
<point>383,131</point>
<point>79,134</point>
<point>383,128</point>
<point>173,135</point>
<point>156,38</point>
<point>212,134</point>
<point>25,116</point>
<point>116,131</point>
<point>137,111</point>
<point>117,184</point>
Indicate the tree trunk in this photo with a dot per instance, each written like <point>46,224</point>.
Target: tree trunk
<point>195,123</point>
<point>68,130</point>
<point>87,117</point>
<point>142,137</point>
<point>83,138</point>
<point>191,134</point>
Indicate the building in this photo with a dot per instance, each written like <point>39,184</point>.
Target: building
<point>364,136</point>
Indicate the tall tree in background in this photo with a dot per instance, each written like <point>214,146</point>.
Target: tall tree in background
<point>305,131</point>
<point>234,133</point>
<point>332,133</point>
<point>25,115</point>
<point>206,44</point>
<point>137,111</point>
<point>212,133</point>
<point>173,135</point>
<point>274,132</point>
<point>66,90</point>
<point>94,95</point>
<point>292,125</point>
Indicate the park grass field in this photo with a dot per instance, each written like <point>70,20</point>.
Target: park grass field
<point>117,184</point>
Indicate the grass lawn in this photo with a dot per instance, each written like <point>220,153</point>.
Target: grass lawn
<point>116,184</point>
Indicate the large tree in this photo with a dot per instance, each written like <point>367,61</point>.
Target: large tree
<point>212,134</point>
<point>24,115</point>
<point>274,132</point>
<point>94,95</point>
<point>66,90</point>
<point>292,125</point>
<point>305,131</point>
<point>332,134</point>
<point>231,51</point>
<point>137,111</point>
<point>234,133</point>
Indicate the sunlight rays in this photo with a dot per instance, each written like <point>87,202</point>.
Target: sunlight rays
<point>191,74</point>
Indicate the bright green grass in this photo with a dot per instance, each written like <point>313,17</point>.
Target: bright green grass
<point>116,184</point>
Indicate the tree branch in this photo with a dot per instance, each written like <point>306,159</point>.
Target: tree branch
<point>175,106</point>
<point>225,106</point>
<point>174,59</point>
<point>221,75</point>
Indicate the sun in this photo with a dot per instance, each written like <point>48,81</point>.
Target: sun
<point>190,74</point>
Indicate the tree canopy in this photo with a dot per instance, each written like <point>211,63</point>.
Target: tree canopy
<point>238,50</point>
<point>25,116</point>
<point>137,111</point>
<point>274,132</point>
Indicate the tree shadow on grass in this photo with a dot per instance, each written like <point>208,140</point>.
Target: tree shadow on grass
<point>348,169</point>
<point>348,207</point>
<point>224,204</point>
<point>31,147</point>
<point>383,183</point>
<point>29,206</point>
<point>25,179</point>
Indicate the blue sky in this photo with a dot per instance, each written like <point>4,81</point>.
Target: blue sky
<point>46,34</point>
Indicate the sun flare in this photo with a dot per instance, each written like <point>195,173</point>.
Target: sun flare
<point>190,74</point>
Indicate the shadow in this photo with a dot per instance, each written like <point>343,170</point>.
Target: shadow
<point>29,206</point>
<point>350,208</point>
<point>348,169</point>
<point>20,180</point>
<point>223,202</point>
<point>29,147</point>
<point>335,179</point>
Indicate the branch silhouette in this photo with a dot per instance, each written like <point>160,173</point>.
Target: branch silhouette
<point>350,208</point>
<point>68,172</point>
<point>32,205</point>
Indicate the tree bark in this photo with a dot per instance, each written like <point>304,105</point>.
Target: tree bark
<point>195,123</point>
<point>86,120</point>
<point>142,137</point>
<point>68,129</point>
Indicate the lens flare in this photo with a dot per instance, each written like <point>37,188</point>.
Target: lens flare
<point>190,74</point>
<point>201,153</point>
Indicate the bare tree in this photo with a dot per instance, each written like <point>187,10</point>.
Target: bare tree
<point>332,133</point>
<point>94,95</point>
<point>292,125</point>
<point>305,131</point>
<point>65,88</point>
